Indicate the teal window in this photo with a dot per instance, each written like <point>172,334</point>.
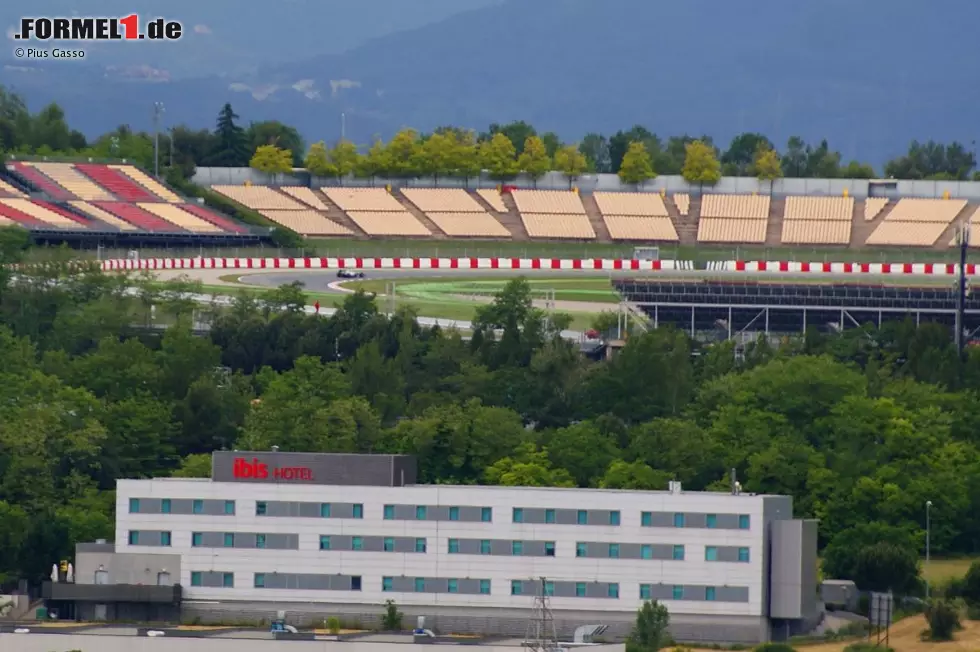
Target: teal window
<point>453,546</point>
<point>709,593</point>
<point>518,515</point>
<point>678,520</point>
<point>260,541</point>
<point>229,507</point>
<point>517,548</point>
<point>743,521</point>
<point>420,585</point>
<point>646,551</point>
<point>356,543</point>
<point>549,516</point>
<point>228,580</point>
<point>454,513</point>
<point>549,548</point>
<point>229,541</point>
<point>743,554</point>
<point>324,510</point>
<point>420,512</point>
<point>516,587</point>
<point>198,507</point>
<point>197,579</point>
<point>453,586</point>
<point>389,544</point>
<point>644,592</point>
<point>134,538</point>
<point>646,519</point>
<point>165,506</point>
<point>614,550</point>
<point>387,584</point>
<point>134,505</point>
<point>613,590</point>
<point>711,521</point>
<point>389,512</point>
<point>165,539</point>
<point>614,518</point>
<point>420,545</point>
<point>579,589</point>
<point>259,581</point>
<point>358,511</point>
<point>677,593</point>
<point>710,553</point>
<point>486,514</point>
<point>260,508</point>
<point>581,549</point>
<point>582,518</point>
<point>678,553</point>
<point>485,547</point>
<point>549,588</point>
<point>484,587</point>
<point>197,540</point>
<point>324,542</point>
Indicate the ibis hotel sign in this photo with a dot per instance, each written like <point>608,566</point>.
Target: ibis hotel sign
<point>313,468</point>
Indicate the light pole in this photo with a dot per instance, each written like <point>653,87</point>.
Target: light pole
<point>928,536</point>
<point>343,127</point>
<point>157,112</point>
<point>170,132</point>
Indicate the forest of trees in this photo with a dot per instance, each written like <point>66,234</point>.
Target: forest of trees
<point>862,428</point>
<point>636,154</point>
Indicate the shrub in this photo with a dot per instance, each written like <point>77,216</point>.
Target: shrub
<point>333,625</point>
<point>391,621</point>
<point>943,617</point>
<point>865,646</point>
<point>775,647</point>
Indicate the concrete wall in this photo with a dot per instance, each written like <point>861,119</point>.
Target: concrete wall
<point>127,568</point>
<point>611,183</point>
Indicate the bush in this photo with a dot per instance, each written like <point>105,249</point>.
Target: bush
<point>775,647</point>
<point>333,625</point>
<point>391,621</point>
<point>943,616</point>
<point>865,646</point>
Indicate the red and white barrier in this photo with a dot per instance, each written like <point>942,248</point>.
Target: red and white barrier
<point>867,269</point>
<point>588,264</point>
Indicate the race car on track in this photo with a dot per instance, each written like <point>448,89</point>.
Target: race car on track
<point>349,273</point>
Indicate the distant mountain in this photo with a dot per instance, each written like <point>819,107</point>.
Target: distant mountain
<point>868,75</point>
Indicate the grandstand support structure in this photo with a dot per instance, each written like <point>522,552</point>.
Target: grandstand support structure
<point>595,217</point>
<point>512,218</point>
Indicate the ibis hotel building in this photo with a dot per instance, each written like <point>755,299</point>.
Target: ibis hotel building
<point>318,535</point>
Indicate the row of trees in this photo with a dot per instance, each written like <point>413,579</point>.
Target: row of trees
<point>458,151</point>
<point>862,428</point>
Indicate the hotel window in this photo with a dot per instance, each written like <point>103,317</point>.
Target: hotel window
<point>165,539</point>
<point>420,585</point>
<point>389,544</point>
<point>389,512</point>
<point>453,586</point>
<point>356,543</point>
<point>709,593</point>
<point>677,593</point>
<point>420,545</point>
<point>358,511</point>
<point>420,513</point>
<point>196,579</point>
<point>197,540</point>
<point>486,514</point>
<point>549,548</point>
<point>229,507</point>
<point>134,538</point>
<point>678,553</point>
<point>678,520</point>
<point>614,551</point>
<point>198,507</point>
<point>646,551</point>
<point>260,508</point>
<point>517,548</point>
<point>518,515</point>
<point>516,587</point>
<point>743,554</point>
<point>453,546</point>
<point>260,541</point>
<point>711,521</point>
<point>710,553</point>
<point>579,589</point>
<point>485,547</point>
<point>613,590</point>
<point>228,580</point>
<point>582,518</point>
<point>324,542</point>
<point>646,519</point>
<point>581,549</point>
<point>454,513</point>
<point>355,582</point>
<point>743,521</point>
<point>259,582</point>
<point>484,587</point>
<point>614,518</point>
<point>324,510</point>
<point>165,506</point>
<point>387,584</point>
<point>644,592</point>
<point>549,588</point>
<point>134,505</point>
<point>229,540</point>
<point>549,516</point>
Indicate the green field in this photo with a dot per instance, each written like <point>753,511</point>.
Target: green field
<point>940,570</point>
<point>449,290</point>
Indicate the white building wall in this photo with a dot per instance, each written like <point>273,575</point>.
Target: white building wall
<point>437,562</point>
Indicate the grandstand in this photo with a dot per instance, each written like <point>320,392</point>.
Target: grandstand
<point>455,212</point>
<point>733,219</point>
<point>377,212</point>
<point>916,222</point>
<point>817,220</point>
<point>553,214</point>
<point>636,216</point>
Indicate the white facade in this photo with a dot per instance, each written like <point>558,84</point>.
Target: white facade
<point>642,527</point>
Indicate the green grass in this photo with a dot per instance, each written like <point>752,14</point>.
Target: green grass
<point>940,570</point>
<point>441,290</point>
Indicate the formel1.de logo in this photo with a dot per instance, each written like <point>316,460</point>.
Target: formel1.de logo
<point>124,28</point>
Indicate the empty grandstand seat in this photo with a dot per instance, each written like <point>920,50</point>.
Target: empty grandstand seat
<point>442,200</point>
<point>742,207</point>
<point>472,225</point>
<point>549,225</point>
<point>816,232</point>
<point>631,203</point>
<point>260,198</point>
<point>43,213</point>
<point>683,202</point>
<point>926,210</point>
<point>400,223</point>
<point>138,217</point>
<point>305,195</point>
<point>115,182</point>
<point>633,227</point>
<point>749,231</point>
<point>175,215</point>
<point>873,207</point>
<point>40,181</point>
<point>819,208</point>
<point>556,202</point>
<point>102,215</point>
<point>912,234</point>
<point>7,190</point>
<point>79,185</point>
<point>493,199</point>
<point>15,216</point>
<point>307,222</point>
<point>363,199</point>
<point>212,217</point>
<point>148,182</point>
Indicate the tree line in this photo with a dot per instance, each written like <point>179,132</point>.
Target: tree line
<point>503,150</point>
<point>99,381</point>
